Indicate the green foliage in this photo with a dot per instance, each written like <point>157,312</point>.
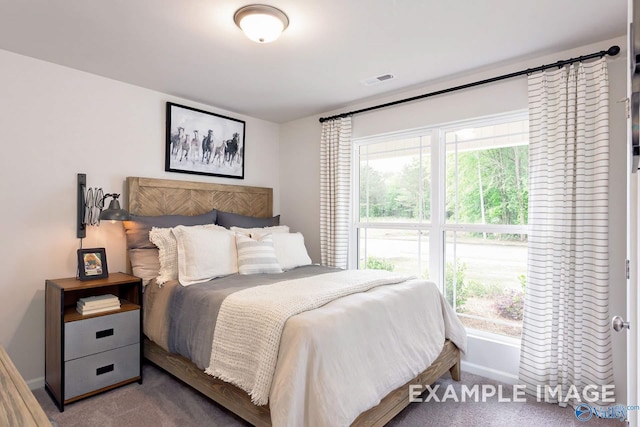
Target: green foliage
<point>480,290</point>
<point>462,288</point>
<point>511,303</point>
<point>494,179</point>
<point>374,263</point>
<point>523,282</point>
<point>374,190</point>
<point>395,194</point>
<point>492,186</point>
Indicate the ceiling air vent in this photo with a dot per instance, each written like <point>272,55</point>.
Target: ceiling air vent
<point>378,79</point>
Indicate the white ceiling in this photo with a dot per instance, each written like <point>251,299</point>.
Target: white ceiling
<point>192,48</point>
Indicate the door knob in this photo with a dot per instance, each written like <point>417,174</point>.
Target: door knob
<point>618,324</point>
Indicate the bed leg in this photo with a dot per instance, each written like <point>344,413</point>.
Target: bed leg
<point>455,371</point>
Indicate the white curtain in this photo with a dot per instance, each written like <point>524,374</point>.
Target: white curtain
<point>335,191</point>
<point>566,336</point>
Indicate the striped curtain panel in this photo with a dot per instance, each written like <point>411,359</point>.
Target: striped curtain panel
<point>566,336</point>
<point>335,191</point>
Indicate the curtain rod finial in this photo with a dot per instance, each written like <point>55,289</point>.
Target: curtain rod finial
<point>613,50</point>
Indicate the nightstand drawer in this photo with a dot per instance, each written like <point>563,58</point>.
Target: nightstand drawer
<point>98,334</point>
<point>100,370</point>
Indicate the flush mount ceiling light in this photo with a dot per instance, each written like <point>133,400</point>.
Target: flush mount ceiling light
<point>260,22</point>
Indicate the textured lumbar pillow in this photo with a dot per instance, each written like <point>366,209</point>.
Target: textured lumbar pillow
<point>256,256</point>
<point>164,239</point>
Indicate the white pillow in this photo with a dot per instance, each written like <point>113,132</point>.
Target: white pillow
<point>256,256</point>
<point>204,254</point>
<point>164,239</point>
<point>290,250</point>
<point>144,264</point>
<point>259,233</point>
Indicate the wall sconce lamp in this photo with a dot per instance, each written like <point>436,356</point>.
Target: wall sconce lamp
<point>90,204</point>
<point>260,22</point>
<point>114,212</point>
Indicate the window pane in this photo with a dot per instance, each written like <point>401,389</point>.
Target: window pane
<point>489,271</point>
<point>403,251</point>
<point>395,183</point>
<point>487,174</point>
<point>484,181</point>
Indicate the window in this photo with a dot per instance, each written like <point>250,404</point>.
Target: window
<point>450,204</point>
<point>395,204</point>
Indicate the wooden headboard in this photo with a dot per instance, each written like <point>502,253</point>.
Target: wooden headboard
<point>150,197</point>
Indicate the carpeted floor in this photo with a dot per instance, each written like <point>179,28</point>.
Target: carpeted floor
<point>162,401</point>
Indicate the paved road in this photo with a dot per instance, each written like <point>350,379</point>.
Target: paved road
<point>486,262</point>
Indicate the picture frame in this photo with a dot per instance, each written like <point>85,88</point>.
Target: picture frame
<point>92,264</point>
<point>203,143</point>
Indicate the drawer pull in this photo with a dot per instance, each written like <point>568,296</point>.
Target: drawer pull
<point>105,333</point>
<point>104,369</point>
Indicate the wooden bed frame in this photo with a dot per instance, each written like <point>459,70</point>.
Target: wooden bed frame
<point>148,196</point>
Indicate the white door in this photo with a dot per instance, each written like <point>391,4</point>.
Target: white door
<point>633,216</point>
<point>633,335</point>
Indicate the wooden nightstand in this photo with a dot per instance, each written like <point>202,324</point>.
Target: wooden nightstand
<point>86,355</point>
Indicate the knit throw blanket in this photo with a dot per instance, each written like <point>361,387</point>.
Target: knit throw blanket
<point>250,323</point>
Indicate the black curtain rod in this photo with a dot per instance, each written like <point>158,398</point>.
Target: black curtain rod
<point>612,51</point>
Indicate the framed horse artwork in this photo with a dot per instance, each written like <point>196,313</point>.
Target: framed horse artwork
<point>203,143</point>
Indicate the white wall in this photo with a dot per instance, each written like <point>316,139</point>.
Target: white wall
<point>299,148</point>
<point>300,175</point>
<point>56,122</point>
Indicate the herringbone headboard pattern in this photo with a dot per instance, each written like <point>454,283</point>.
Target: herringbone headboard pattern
<point>150,196</point>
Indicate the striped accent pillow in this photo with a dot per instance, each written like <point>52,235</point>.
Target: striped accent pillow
<point>256,256</point>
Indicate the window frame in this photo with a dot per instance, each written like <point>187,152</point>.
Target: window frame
<point>356,224</point>
<point>437,227</point>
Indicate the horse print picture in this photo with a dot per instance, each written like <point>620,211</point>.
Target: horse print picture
<point>203,143</point>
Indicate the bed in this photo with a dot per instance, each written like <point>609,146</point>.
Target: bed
<point>151,197</point>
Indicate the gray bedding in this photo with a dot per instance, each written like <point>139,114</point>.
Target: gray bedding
<point>193,310</point>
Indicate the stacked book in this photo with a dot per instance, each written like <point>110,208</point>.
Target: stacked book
<point>97,304</point>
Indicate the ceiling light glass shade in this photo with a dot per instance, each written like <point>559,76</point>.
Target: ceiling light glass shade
<point>114,212</point>
<point>261,23</point>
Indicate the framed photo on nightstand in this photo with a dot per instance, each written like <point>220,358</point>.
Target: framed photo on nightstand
<point>92,264</point>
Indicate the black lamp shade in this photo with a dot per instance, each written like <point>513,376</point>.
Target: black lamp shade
<point>114,212</point>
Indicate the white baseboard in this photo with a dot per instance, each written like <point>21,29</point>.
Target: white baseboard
<point>35,383</point>
<point>493,374</point>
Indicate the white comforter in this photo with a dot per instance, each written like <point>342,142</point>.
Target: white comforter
<point>341,359</point>
<point>250,323</point>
